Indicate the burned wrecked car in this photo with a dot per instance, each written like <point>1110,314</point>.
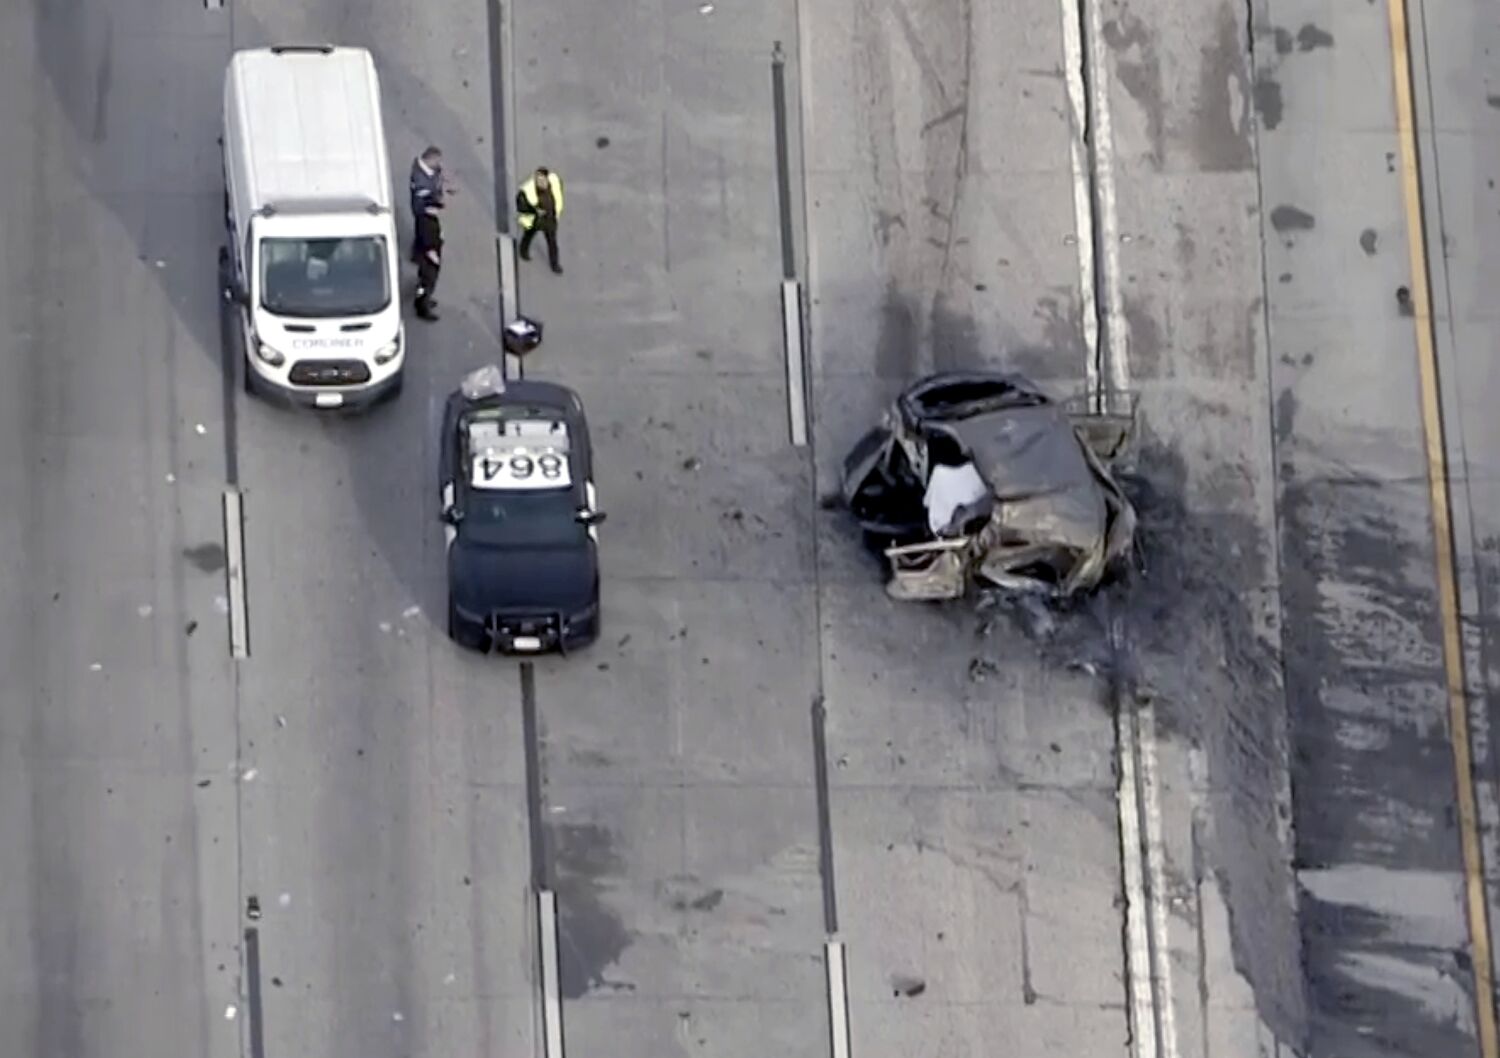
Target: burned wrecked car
<point>978,479</point>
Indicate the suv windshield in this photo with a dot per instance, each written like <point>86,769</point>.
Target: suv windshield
<point>523,519</point>
<point>324,277</point>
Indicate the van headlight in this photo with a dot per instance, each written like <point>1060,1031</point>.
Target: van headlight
<point>386,353</point>
<point>269,355</point>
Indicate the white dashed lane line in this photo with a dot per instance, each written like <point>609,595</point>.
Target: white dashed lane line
<point>234,573</point>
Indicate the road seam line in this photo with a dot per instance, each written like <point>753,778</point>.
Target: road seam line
<point>1442,531</point>
<point>234,573</point>
<point>791,287</point>
<point>254,1024</point>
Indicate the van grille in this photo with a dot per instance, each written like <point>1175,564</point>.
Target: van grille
<point>329,372</point>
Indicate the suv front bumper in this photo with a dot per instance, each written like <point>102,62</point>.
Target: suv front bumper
<point>523,634</point>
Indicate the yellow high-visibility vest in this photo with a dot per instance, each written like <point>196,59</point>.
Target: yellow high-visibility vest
<point>528,190</point>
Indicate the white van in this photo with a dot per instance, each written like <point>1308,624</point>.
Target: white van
<point>312,257</point>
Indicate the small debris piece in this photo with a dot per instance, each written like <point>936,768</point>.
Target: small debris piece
<point>203,783</point>
<point>411,611</point>
<point>190,628</point>
<point>96,667</point>
<point>230,1011</point>
<point>144,609</point>
<point>691,463</point>
<point>285,899</point>
<point>396,1015</point>
<point>221,603</point>
<point>200,429</point>
<point>911,987</point>
<point>249,774</point>
<point>979,668</point>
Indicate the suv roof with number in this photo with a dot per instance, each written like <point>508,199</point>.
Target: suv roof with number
<point>518,499</point>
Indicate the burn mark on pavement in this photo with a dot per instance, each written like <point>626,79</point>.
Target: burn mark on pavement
<point>1310,37</point>
<point>1268,102</point>
<point>1221,139</point>
<point>590,936</point>
<point>1290,218</point>
<point>896,349</point>
<point>1139,71</point>
<point>1371,769</point>
<point>208,558</point>
<point>1197,635</point>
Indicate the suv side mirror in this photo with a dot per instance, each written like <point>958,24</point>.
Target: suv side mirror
<point>452,515</point>
<point>591,518</point>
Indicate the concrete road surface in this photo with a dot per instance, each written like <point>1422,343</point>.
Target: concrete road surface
<point>1388,948</point>
<point>117,701</point>
<point>356,775</point>
<point>763,753</point>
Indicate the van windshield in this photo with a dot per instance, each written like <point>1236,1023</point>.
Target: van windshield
<point>324,277</point>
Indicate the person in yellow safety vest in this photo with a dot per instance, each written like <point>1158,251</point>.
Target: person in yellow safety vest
<point>539,204</point>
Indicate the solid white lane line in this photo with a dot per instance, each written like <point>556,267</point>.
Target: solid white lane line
<point>234,572</point>
<point>1156,873</point>
<point>552,1037</point>
<point>838,998</point>
<point>510,304</point>
<point>1083,201</point>
<point>791,334</point>
<point>1137,917</point>
<point>510,297</point>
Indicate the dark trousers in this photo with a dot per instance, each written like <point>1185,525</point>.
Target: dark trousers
<point>427,279</point>
<point>549,231</point>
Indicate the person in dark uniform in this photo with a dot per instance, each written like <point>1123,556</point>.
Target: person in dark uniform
<point>428,187</point>
<point>427,254</point>
<point>539,205</point>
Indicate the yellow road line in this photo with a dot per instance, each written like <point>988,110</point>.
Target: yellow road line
<point>1442,532</point>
